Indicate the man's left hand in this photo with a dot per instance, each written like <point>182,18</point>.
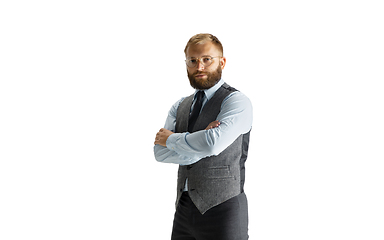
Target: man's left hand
<point>162,136</point>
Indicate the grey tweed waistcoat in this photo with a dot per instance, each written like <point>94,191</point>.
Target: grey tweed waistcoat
<point>212,180</point>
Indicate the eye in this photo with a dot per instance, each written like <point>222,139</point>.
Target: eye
<point>192,60</point>
<point>206,59</point>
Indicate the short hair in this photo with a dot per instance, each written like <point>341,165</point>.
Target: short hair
<point>202,38</point>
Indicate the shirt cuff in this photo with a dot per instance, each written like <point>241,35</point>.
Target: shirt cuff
<point>171,141</point>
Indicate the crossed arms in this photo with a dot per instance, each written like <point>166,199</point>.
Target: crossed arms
<point>234,119</point>
<point>163,134</point>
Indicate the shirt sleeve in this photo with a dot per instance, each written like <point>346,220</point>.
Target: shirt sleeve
<point>235,117</point>
<point>166,155</point>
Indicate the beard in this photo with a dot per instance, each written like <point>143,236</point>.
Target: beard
<point>201,84</point>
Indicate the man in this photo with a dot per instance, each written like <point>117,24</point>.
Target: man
<point>207,134</point>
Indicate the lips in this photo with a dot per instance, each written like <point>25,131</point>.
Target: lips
<point>200,75</point>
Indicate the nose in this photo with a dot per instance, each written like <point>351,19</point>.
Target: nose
<point>200,66</point>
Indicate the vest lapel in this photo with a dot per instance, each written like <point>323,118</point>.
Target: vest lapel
<point>182,116</point>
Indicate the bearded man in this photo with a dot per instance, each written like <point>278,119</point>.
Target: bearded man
<point>207,134</point>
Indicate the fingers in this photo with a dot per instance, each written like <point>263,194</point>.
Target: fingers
<point>162,136</point>
<point>157,138</point>
<point>213,124</point>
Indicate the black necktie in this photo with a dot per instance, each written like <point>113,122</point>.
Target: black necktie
<point>196,110</point>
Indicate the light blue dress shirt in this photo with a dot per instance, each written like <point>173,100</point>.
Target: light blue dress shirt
<point>186,148</point>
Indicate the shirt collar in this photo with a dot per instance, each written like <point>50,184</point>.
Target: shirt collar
<point>211,91</point>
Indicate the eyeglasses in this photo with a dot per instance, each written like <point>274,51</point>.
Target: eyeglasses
<point>205,61</point>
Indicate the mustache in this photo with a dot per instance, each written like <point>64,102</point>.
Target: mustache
<point>199,72</point>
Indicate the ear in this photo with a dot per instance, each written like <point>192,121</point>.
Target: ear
<point>223,61</point>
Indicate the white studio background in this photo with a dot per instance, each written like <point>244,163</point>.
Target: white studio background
<point>85,86</point>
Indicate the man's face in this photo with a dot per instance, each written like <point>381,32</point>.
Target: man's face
<point>204,77</point>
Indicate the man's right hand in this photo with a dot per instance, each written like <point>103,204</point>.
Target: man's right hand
<point>213,124</point>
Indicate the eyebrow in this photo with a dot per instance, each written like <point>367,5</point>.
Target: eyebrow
<point>202,56</point>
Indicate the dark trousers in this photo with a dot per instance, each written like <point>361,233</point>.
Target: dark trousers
<point>227,221</point>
